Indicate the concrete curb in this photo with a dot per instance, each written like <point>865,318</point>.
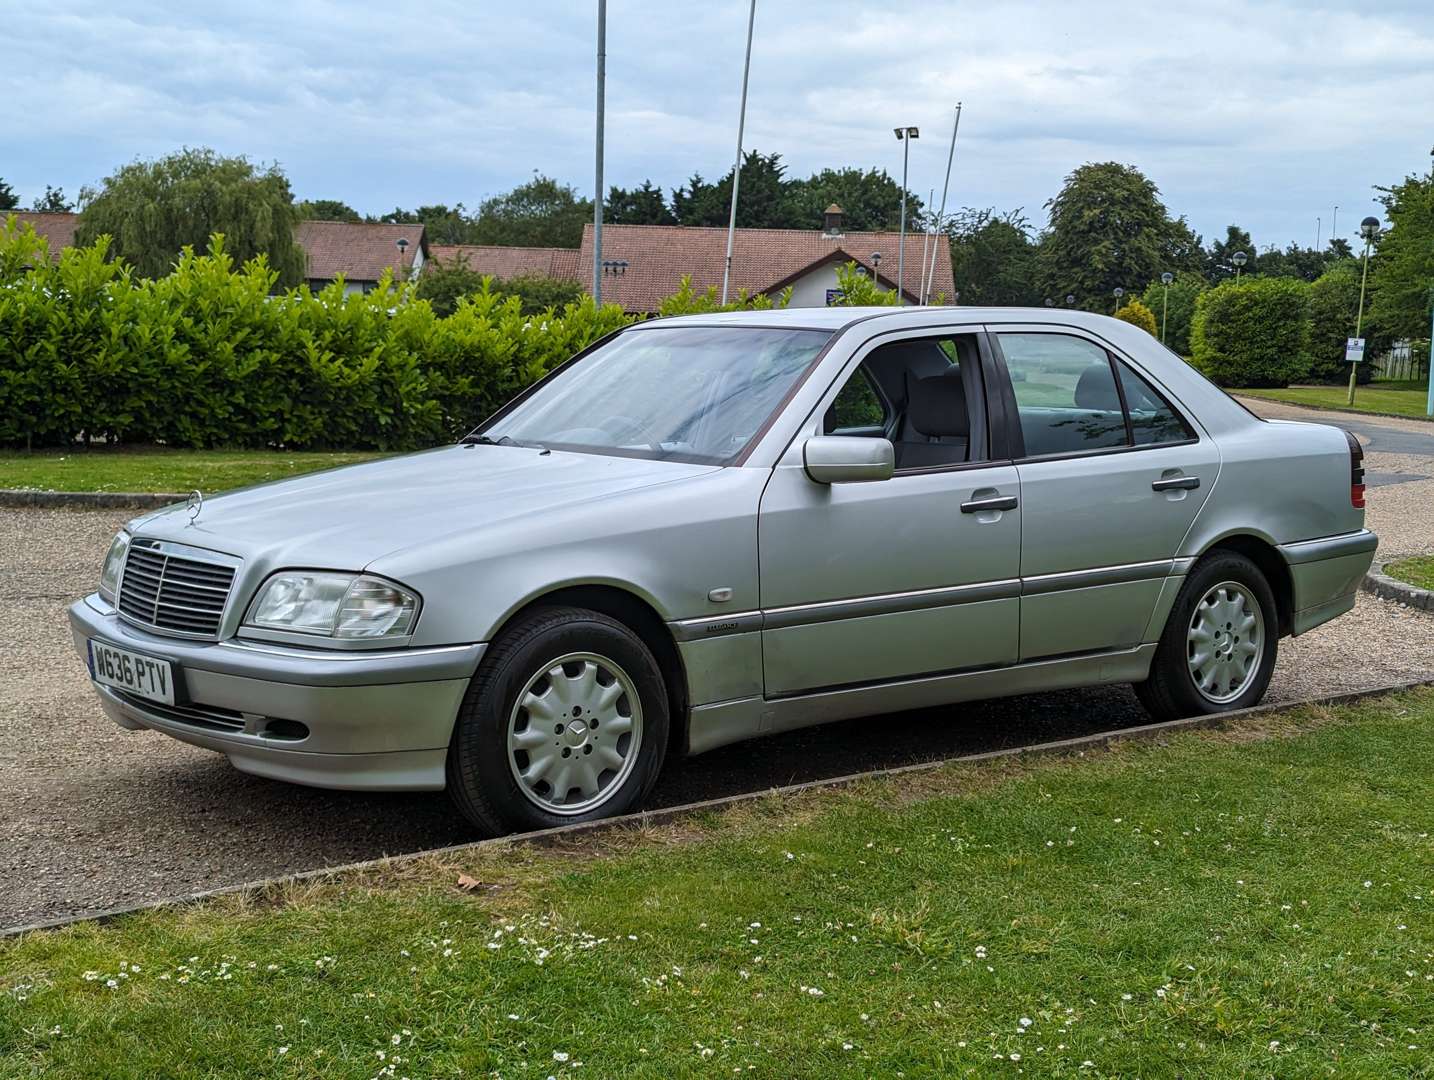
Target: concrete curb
<point>19,498</point>
<point>1351,413</point>
<point>1388,588</point>
<point>645,818</point>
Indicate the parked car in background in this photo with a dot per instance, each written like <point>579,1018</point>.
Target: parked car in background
<point>711,528</point>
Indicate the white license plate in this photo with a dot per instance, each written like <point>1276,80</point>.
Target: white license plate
<point>146,676</point>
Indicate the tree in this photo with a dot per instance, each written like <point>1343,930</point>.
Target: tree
<point>1175,310</point>
<point>52,202</point>
<point>442,224</point>
<point>8,201</point>
<point>1108,229</point>
<point>760,201</point>
<point>153,209</point>
<point>993,258</point>
<point>327,210</point>
<point>870,201</point>
<point>1334,306</point>
<point>1295,261</point>
<point>640,206</point>
<point>1338,249</point>
<point>1253,332</point>
<point>1401,275</point>
<point>540,213</point>
<point>1219,265</point>
<point>1137,314</point>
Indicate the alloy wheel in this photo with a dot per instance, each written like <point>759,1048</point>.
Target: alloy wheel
<point>1225,642</point>
<point>575,733</point>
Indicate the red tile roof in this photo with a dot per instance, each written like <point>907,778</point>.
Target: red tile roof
<point>508,262</point>
<point>359,251</point>
<point>763,260</point>
<point>57,229</point>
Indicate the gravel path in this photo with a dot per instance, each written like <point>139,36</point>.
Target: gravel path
<point>96,817</point>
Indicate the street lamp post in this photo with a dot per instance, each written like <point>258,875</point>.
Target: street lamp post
<point>597,149</point>
<point>1238,259</point>
<point>905,134</point>
<point>737,165</point>
<point>1119,292</point>
<point>876,268</point>
<point>402,244</point>
<point>1165,279</point>
<point>1369,229</point>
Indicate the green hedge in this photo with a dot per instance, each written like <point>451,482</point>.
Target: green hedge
<point>209,356</point>
<point>1253,332</point>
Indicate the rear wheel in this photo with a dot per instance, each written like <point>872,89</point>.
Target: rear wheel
<point>566,720</point>
<point>1218,649</point>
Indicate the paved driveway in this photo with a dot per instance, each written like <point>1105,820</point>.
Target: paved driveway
<point>93,817</point>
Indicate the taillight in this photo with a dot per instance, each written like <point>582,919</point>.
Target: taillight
<point>1356,472</point>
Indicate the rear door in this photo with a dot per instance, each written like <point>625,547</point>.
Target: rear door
<point>1112,474</point>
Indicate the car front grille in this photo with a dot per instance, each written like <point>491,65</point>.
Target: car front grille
<point>204,716</point>
<point>171,592</point>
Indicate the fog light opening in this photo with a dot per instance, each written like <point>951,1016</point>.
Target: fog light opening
<point>285,730</point>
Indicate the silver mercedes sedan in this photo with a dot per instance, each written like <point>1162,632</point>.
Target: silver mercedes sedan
<point>711,528</point>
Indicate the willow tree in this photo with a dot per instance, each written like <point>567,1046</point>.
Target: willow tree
<point>152,209</point>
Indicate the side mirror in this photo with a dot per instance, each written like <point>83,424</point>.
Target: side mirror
<point>846,459</point>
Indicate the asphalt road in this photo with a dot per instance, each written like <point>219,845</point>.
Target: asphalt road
<point>93,817</point>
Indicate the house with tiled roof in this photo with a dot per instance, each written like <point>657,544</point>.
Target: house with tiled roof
<point>361,252</point>
<point>508,262</point>
<point>57,229</point>
<point>644,264</point>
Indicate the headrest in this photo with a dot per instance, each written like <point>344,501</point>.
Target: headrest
<point>1096,389</point>
<point>938,405</point>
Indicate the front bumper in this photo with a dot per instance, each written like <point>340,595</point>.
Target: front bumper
<point>363,719</point>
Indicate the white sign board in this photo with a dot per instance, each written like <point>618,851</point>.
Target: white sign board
<point>1354,350</point>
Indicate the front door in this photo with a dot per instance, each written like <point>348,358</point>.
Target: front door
<point>1112,476</point>
<point>914,575</point>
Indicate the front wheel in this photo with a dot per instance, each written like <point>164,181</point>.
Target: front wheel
<point>1218,649</point>
<point>566,720</point>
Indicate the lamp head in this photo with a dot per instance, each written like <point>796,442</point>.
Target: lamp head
<point>1369,228</point>
<point>1166,278</point>
<point>1239,258</point>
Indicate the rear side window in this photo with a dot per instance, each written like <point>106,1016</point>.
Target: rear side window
<point>1065,393</point>
<point>1152,421</point>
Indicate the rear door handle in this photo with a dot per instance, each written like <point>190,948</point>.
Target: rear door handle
<point>994,502</point>
<point>1171,483</point>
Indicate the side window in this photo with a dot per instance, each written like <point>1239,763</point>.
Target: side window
<point>858,408</point>
<point>1065,393</point>
<point>1151,419</point>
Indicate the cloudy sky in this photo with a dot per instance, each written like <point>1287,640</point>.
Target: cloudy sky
<point>1266,114</point>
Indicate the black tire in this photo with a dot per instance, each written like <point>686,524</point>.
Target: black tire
<point>480,773</point>
<point>1170,692</point>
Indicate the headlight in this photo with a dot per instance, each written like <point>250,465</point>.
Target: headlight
<point>114,562</point>
<point>333,605</point>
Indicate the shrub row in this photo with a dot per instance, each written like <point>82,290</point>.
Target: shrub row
<point>1271,331</point>
<point>210,356</point>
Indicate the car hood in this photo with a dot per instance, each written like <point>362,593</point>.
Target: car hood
<point>346,518</point>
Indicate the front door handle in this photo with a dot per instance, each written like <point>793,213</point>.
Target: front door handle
<point>994,502</point>
<point>1172,483</point>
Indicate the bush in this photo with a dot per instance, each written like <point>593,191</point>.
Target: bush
<point>209,356</point>
<point>687,301</point>
<point>859,290</point>
<point>1177,310</point>
<point>1137,314</point>
<point>1334,309</point>
<point>444,286</point>
<point>1253,332</point>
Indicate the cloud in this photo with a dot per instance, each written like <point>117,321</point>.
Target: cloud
<point>1265,113</point>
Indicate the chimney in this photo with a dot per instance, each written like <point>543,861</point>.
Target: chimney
<point>831,220</point>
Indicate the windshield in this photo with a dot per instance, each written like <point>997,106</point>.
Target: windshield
<point>680,393</point>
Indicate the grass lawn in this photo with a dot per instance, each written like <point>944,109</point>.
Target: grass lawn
<point>155,468</point>
<point>1418,571</point>
<point>1249,903</point>
<point>1402,398</point>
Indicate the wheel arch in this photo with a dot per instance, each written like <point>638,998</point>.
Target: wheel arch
<point>1263,553</point>
<point>639,616</point>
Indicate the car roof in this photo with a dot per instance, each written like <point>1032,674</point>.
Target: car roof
<point>838,318</point>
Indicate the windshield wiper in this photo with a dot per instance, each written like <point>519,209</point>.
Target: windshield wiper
<point>484,440</point>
